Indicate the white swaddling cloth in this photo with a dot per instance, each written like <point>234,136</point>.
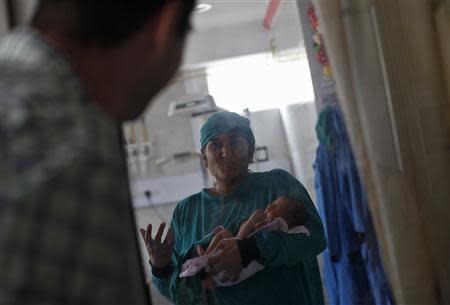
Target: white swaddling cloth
<point>194,265</point>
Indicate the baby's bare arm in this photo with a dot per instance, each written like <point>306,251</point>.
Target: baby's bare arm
<point>256,221</point>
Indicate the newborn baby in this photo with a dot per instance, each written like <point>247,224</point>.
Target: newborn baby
<point>283,207</point>
<point>284,214</point>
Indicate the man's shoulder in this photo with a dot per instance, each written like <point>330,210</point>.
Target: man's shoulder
<point>30,66</point>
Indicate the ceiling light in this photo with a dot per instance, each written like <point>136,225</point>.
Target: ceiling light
<point>202,7</point>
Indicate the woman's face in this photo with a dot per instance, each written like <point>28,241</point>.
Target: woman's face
<point>227,157</point>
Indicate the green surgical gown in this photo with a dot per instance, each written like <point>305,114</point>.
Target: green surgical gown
<point>291,273</point>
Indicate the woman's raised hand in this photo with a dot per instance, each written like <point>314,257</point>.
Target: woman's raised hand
<point>160,252</point>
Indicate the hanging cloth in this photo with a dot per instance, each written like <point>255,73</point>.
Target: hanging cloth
<point>353,271</point>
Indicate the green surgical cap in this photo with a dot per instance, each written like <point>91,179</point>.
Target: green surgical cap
<point>223,122</point>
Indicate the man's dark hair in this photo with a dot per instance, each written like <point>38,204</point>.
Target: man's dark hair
<point>109,22</point>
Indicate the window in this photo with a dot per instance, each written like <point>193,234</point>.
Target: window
<point>260,82</point>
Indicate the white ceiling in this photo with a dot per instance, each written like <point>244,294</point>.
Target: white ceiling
<point>234,28</point>
<point>228,12</point>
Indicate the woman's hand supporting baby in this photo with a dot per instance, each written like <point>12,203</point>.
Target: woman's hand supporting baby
<point>224,256</point>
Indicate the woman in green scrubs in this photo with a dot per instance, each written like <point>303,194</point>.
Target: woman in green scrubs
<point>291,273</point>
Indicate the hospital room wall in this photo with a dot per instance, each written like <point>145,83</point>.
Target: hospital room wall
<point>291,131</point>
<point>170,135</point>
<point>173,135</point>
<point>299,122</point>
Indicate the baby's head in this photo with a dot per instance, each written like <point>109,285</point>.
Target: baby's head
<point>289,209</point>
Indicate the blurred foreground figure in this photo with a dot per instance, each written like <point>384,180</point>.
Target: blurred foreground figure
<point>67,235</point>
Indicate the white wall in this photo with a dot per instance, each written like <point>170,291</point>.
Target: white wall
<point>170,135</point>
<point>299,122</point>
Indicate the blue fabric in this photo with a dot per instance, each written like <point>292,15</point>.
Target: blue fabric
<point>353,270</point>
<point>344,273</point>
<point>223,122</point>
<point>330,280</point>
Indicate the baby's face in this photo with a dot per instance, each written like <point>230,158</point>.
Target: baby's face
<point>279,208</point>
